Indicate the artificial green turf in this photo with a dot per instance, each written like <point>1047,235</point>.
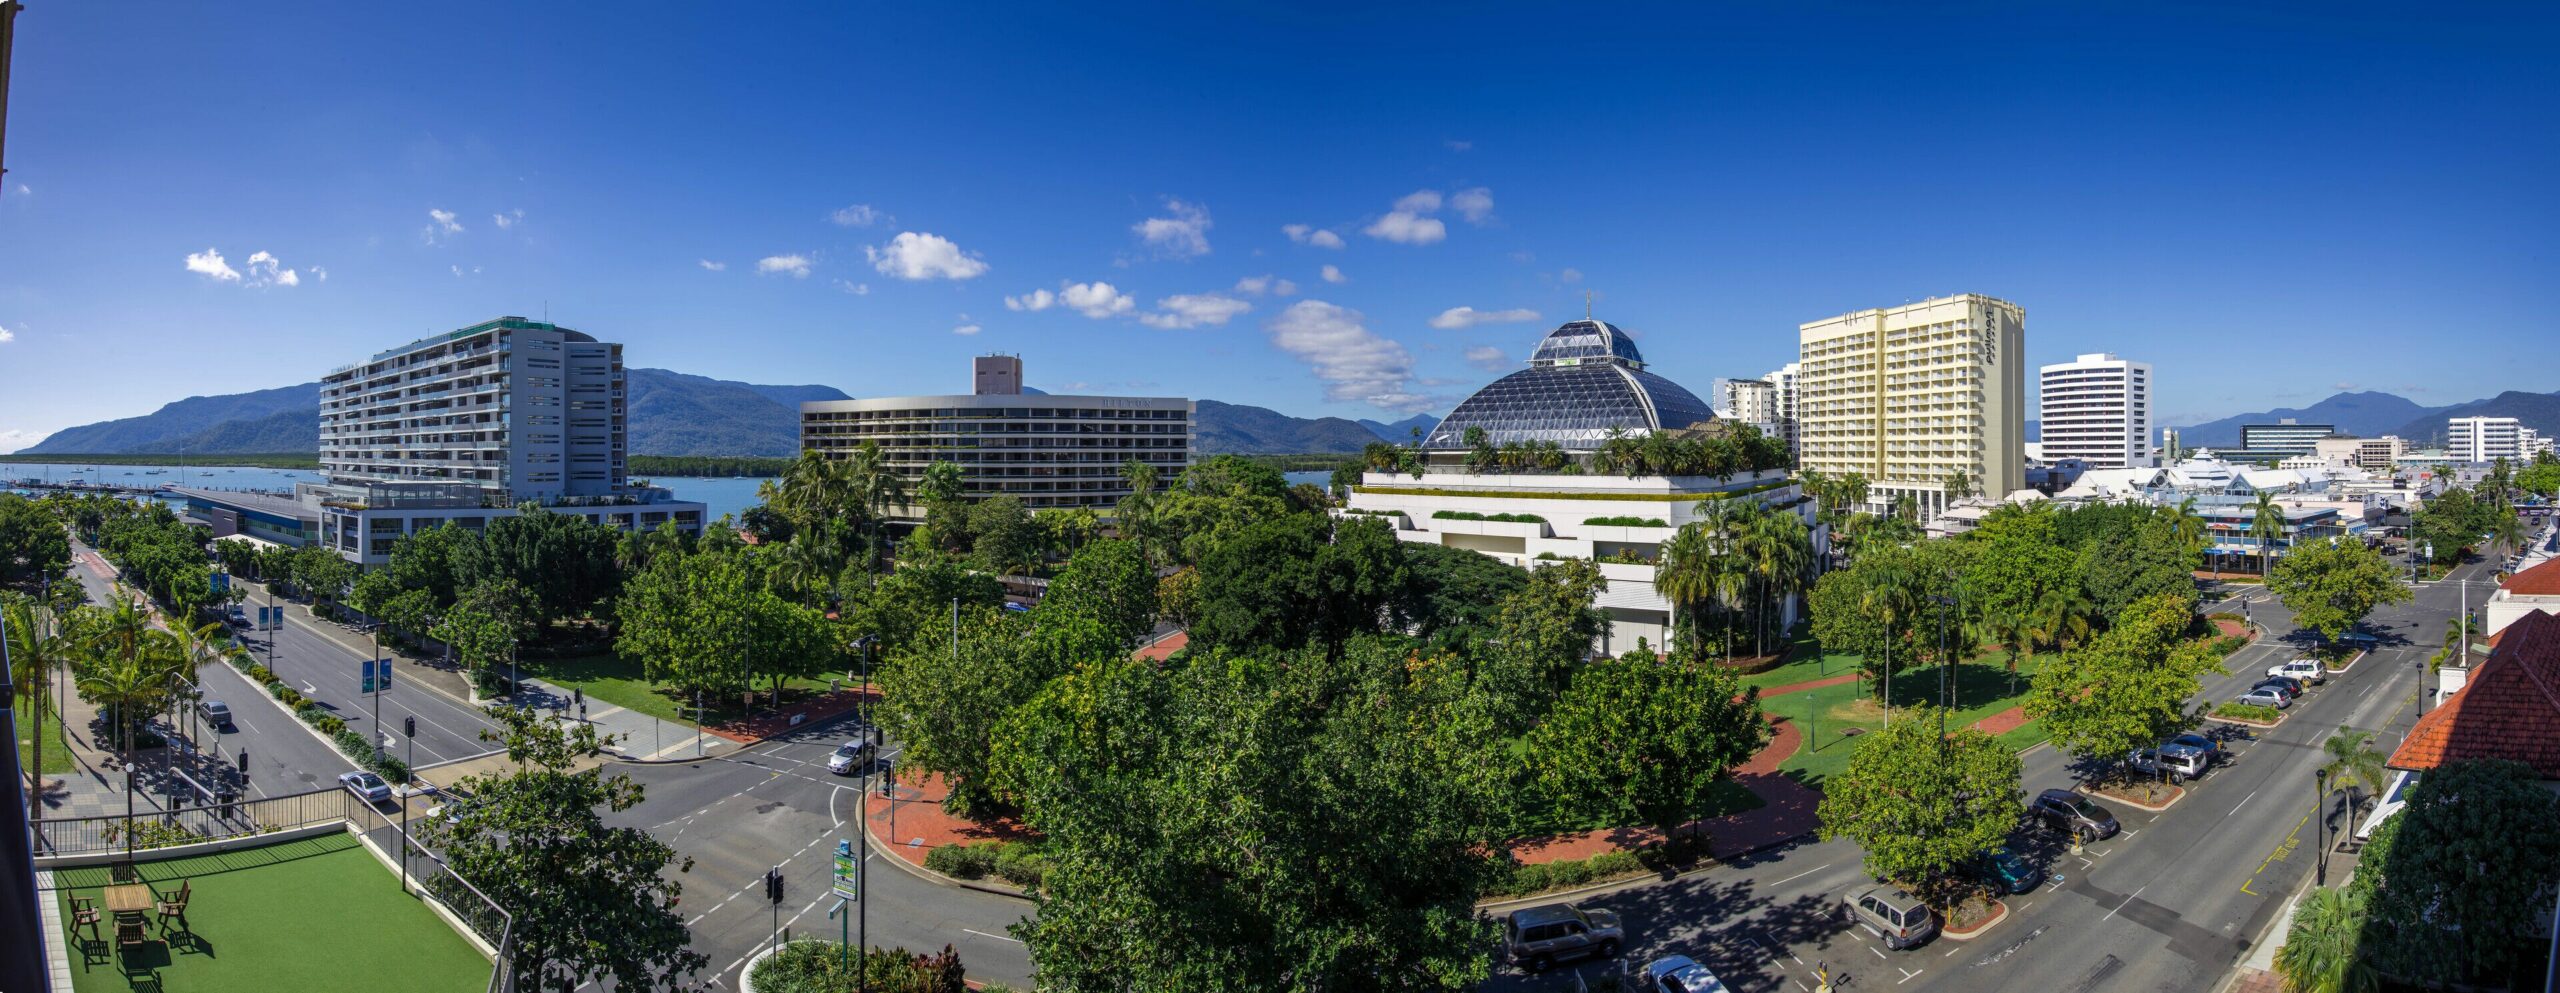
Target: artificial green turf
<point>57,756</point>
<point>315,914</point>
<point>1983,688</point>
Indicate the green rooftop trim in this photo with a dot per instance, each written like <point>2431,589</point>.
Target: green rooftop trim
<point>1539,495</point>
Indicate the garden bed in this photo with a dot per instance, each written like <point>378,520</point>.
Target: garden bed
<point>2253,716</point>
<point>1977,914</point>
<point>2338,667</point>
<point>2141,796</point>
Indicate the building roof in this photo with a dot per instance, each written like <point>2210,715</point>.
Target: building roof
<point>2509,709</point>
<point>1585,378</point>
<point>2541,580</point>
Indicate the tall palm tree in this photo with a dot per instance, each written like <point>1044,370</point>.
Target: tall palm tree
<point>2266,524</point>
<point>1893,599</point>
<point>1685,572</point>
<point>2352,760</point>
<point>2185,525</point>
<point>2323,950</point>
<point>1780,550</point>
<point>36,649</point>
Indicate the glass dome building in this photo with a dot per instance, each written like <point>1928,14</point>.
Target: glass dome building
<point>1585,378</point>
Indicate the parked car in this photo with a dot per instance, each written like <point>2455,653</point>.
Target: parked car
<point>2358,641</point>
<point>2288,683</point>
<point>2266,696</point>
<point>1679,974</point>
<point>2004,870</point>
<point>2178,764</point>
<point>2071,813</point>
<point>366,785</point>
<point>1893,915</point>
<point>2306,670</point>
<point>851,757</point>
<point>237,618</point>
<point>1537,937</point>
<point>2211,747</point>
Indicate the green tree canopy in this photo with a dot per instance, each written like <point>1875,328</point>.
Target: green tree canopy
<point>2330,586</point>
<point>1922,806</point>
<point>1110,583</point>
<point>2126,689</point>
<point>2458,889</point>
<point>1635,740</point>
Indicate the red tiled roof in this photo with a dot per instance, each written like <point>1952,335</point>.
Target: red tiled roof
<point>2541,580</point>
<point>2510,708</point>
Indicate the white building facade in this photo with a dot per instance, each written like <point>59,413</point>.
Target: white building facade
<point>1909,396</point>
<point>2096,408</point>
<point>1784,378</point>
<point>2488,439</point>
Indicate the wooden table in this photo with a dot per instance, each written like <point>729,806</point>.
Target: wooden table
<point>129,898</point>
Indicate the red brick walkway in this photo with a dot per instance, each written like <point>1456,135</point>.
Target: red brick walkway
<point>2002,722</point>
<point>1786,810</point>
<point>1164,649</point>
<point>921,824</point>
<point>1807,685</point>
<point>813,710</point>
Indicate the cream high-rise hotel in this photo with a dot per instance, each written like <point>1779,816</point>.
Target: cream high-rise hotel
<point>1913,396</point>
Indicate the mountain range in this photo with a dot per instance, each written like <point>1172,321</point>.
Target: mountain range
<point>2374,414</point>
<point>672,413</point>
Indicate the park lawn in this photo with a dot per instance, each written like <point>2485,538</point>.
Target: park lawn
<point>1983,688</point>
<point>57,756</point>
<point>320,913</point>
<point>611,679</point>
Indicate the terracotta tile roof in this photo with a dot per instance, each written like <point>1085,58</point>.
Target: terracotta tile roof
<point>2541,580</point>
<point>2510,709</point>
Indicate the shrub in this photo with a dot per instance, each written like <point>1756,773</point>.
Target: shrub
<point>970,861</point>
<point>1469,515</point>
<point>817,967</point>
<point>2248,712</point>
<point>1524,880</point>
<point>1623,521</point>
<point>260,674</point>
<point>2228,644</point>
<point>1021,864</point>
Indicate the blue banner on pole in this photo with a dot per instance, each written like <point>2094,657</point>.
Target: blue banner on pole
<point>221,582</point>
<point>376,675</point>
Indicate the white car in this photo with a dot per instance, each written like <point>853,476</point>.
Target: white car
<point>850,757</point>
<point>366,785</point>
<point>2307,670</point>
<point>1679,974</point>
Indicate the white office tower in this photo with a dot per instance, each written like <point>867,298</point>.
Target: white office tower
<point>1784,378</point>
<point>2488,439</point>
<point>1750,401</point>
<point>1912,396</point>
<point>2097,408</point>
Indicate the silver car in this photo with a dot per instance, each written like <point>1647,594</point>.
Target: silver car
<point>1538,937</point>
<point>2266,696</point>
<point>1893,915</point>
<point>366,785</point>
<point>1679,974</point>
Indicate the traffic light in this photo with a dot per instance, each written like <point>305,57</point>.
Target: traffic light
<point>773,885</point>
<point>244,761</point>
<point>409,725</point>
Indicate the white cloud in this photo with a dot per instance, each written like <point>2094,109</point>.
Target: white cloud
<point>1570,275</point>
<point>1096,300</point>
<point>1476,205</point>
<point>1304,235</point>
<point>1184,235</point>
<point>1259,285</point>
<point>507,220</point>
<point>913,255</point>
<point>1034,300</point>
<point>1191,310</point>
<point>1352,363</point>
<point>7,336</point>
<point>795,266</point>
<point>1460,318</point>
<point>458,272</point>
<point>1419,202</point>
<point>857,289</point>
<point>24,191</point>
<point>1405,227</point>
<point>860,215</point>
<point>264,270</point>
<point>966,329</point>
<point>1333,275</point>
<point>17,439</point>
<point>209,262</point>
<point>1459,146</point>
<point>443,222</point>
<point>713,266</point>
<point>1487,358</point>
<point>320,274</point>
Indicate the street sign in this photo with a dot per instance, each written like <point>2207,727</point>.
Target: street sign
<point>848,884</point>
<point>377,675</point>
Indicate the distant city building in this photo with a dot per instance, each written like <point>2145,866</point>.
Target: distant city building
<point>2488,439</point>
<point>2375,454</point>
<point>1750,401</point>
<point>2276,442</point>
<point>1784,378</point>
<point>2171,447</point>
<point>2096,408</point>
<point>1909,396</point>
<point>1585,380</point>
<point>467,426</point>
<point>1050,451</point>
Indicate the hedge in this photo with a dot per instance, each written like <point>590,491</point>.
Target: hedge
<point>1626,522</point>
<point>1469,515</point>
<point>1016,862</point>
<point>330,726</point>
<point>2249,712</point>
<point>1533,495</point>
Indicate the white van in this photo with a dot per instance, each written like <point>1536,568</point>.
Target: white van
<point>2307,670</point>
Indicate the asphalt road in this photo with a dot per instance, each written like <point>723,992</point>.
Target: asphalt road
<point>2171,904</point>
<point>326,662</point>
<point>777,805</point>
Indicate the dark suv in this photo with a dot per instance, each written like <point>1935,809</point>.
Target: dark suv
<point>2073,814</point>
<point>1538,936</point>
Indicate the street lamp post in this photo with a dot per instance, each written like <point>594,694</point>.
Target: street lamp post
<point>2319,809</point>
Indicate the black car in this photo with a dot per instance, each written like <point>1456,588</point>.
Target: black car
<point>2290,684</point>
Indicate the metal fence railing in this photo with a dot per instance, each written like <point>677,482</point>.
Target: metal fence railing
<point>432,878</point>
<point>152,826</point>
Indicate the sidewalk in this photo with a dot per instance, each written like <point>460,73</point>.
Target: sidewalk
<point>644,738</point>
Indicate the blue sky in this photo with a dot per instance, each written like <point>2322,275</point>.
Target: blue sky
<point>2268,203</point>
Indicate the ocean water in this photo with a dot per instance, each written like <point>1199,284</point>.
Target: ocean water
<point>718,496</point>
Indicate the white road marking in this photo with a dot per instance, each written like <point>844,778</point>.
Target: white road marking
<point>1907,974</point>
<point>1801,875</point>
<point>2112,913</point>
<point>1879,954</point>
<point>997,937</point>
<point>2244,801</point>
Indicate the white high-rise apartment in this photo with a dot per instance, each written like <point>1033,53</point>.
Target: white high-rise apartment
<point>1752,401</point>
<point>1910,396</point>
<point>1784,378</point>
<point>2097,408</point>
<point>465,426</point>
<point>2488,439</point>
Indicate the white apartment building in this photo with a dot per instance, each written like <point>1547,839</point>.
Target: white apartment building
<point>1784,378</point>
<point>1750,401</point>
<point>2096,408</point>
<point>2488,439</point>
<point>2371,454</point>
<point>468,425</point>
<point>1908,396</point>
<point>1047,450</point>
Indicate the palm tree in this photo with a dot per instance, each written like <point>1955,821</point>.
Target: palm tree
<point>1777,550</point>
<point>2266,524</point>
<point>2185,525</point>
<point>1893,598</point>
<point>35,651</point>
<point>1685,570</point>
<point>2323,951</point>
<point>2352,760</point>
